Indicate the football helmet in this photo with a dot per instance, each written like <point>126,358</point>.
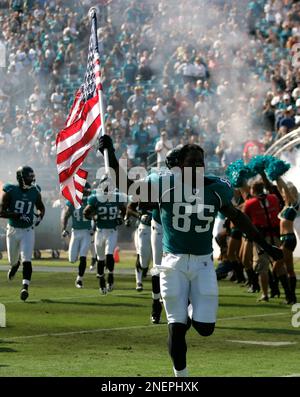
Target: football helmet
<point>25,177</point>
<point>172,158</point>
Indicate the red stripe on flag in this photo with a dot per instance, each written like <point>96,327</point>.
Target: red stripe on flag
<point>87,137</point>
<point>64,175</point>
<point>78,186</point>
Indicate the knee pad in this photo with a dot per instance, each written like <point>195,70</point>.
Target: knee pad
<point>110,262</point>
<point>204,329</point>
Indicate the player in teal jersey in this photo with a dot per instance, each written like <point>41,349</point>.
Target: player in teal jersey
<point>108,210</point>
<point>81,234</point>
<point>187,270</point>
<point>18,203</point>
<point>142,240</point>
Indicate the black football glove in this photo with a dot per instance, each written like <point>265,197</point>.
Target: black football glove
<point>275,252</point>
<point>127,222</point>
<point>65,233</point>
<point>119,221</point>
<point>105,142</point>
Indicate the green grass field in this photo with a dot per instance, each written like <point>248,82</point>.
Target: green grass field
<point>62,331</point>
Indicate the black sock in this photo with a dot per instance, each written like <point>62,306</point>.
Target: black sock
<point>100,267</point>
<point>82,266</point>
<point>110,278</point>
<point>286,287</point>
<point>27,270</point>
<point>177,345</point>
<point>155,284</point>
<point>110,263</point>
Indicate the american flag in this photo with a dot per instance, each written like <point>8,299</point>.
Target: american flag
<point>82,128</point>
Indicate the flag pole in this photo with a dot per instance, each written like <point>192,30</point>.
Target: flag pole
<point>93,18</point>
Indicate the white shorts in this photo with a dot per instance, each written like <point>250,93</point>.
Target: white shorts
<point>189,277</point>
<point>105,242</point>
<point>142,240</point>
<point>156,243</point>
<point>79,244</point>
<point>19,242</point>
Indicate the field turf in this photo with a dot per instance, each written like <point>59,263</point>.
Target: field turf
<point>65,332</point>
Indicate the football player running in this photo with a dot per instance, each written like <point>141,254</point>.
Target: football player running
<point>18,203</point>
<point>108,210</point>
<point>80,235</point>
<point>142,240</point>
<point>187,271</point>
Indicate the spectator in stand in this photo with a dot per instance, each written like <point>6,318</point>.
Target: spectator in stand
<point>162,147</point>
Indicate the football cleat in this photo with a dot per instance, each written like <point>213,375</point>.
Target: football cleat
<point>24,294</point>
<point>263,298</point>
<point>12,271</point>
<point>103,291</point>
<point>109,287</point>
<point>78,283</point>
<point>139,287</point>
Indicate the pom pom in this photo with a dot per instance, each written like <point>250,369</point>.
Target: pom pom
<point>238,173</point>
<point>276,168</point>
<point>259,163</point>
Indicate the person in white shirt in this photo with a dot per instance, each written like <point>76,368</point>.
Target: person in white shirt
<point>162,147</point>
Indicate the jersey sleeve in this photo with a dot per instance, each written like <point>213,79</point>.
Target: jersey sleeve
<point>92,200</point>
<point>7,187</point>
<point>223,191</point>
<point>69,205</point>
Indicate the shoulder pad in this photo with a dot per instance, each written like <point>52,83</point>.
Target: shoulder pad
<point>8,187</point>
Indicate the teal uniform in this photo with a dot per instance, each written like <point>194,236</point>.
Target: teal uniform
<point>22,202</point>
<point>107,210</point>
<point>188,226</point>
<point>156,215</point>
<point>79,222</point>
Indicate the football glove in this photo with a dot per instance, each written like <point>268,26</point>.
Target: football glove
<point>37,220</point>
<point>119,221</point>
<point>24,218</point>
<point>146,219</point>
<point>65,233</point>
<point>127,222</point>
<point>105,142</point>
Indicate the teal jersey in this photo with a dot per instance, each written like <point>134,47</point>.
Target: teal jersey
<point>107,209</point>
<point>22,202</point>
<point>156,215</point>
<point>79,221</point>
<point>188,226</point>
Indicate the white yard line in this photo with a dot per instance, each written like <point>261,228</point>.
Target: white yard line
<point>258,342</point>
<point>126,328</point>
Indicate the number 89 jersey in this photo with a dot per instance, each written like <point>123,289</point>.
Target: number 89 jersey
<point>21,202</point>
<point>107,208</point>
<point>188,226</point>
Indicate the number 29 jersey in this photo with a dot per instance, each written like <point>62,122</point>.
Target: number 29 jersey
<point>188,226</point>
<point>107,208</point>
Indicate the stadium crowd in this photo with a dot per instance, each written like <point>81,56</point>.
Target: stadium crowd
<point>207,81</point>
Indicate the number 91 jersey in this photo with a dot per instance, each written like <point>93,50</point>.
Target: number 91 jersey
<point>21,202</point>
<point>188,226</point>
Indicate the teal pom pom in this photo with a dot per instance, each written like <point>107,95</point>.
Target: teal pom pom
<point>276,168</point>
<point>238,173</point>
<point>259,163</point>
